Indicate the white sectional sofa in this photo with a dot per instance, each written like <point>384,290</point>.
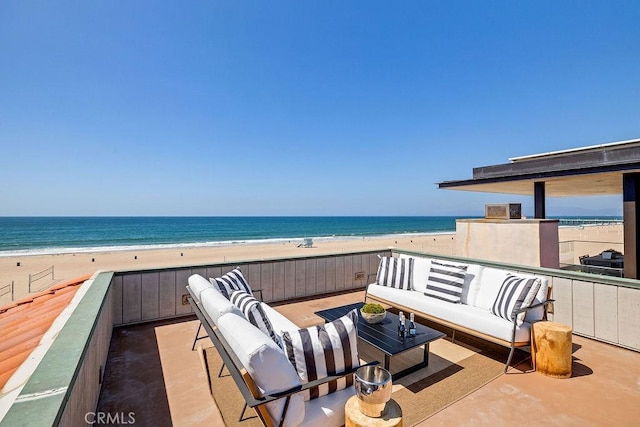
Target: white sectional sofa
<point>472,314</point>
<point>261,369</point>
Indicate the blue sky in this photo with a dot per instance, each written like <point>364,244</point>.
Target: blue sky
<point>302,108</point>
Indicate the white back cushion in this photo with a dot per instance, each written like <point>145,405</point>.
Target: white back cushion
<point>197,283</point>
<point>216,305</point>
<point>491,281</point>
<point>471,286</point>
<point>278,321</point>
<point>252,310</point>
<point>266,363</point>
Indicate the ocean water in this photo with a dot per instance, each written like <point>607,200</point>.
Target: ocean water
<point>39,235</point>
<point>24,235</point>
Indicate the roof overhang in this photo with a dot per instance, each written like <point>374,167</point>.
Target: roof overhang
<point>589,171</point>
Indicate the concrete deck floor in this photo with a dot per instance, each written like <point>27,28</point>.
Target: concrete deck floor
<point>152,372</point>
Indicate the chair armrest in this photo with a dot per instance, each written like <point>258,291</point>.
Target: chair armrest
<point>261,299</point>
<point>335,377</point>
<point>297,389</point>
<point>369,277</point>
<point>540,304</point>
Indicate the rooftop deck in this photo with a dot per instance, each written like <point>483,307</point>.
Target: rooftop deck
<point>125,347</point>
<point>152,372</point>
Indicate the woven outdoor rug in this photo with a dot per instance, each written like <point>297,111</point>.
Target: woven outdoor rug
<point>454,371</point>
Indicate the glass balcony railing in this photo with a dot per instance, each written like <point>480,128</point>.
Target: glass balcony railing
<point>593,257</point>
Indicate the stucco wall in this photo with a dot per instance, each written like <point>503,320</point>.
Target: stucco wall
<point>526,242</point>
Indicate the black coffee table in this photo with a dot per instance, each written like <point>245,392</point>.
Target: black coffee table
<point>384,336</point>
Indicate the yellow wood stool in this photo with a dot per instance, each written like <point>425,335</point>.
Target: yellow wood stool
<point>551,349</point>
<point>353,417</point>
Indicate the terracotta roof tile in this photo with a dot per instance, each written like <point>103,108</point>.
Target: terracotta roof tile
<point>24,322</point>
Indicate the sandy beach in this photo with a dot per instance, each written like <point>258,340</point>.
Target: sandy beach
<point>16,269</point>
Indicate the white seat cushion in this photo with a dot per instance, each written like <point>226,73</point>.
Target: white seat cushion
<point>327,411</point>
<point>478,319</point>
<point>197,283</point>
<point>415,300</point>
<point>473,318</point>
<point>266,363</point>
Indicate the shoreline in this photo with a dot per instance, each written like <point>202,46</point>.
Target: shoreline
<point>214,244</point>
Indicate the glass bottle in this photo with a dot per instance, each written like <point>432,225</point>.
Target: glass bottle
<point>401,326</point>
<point>412,326</point>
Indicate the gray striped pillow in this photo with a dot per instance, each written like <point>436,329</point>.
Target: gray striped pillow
<point>232,281</point>
<point>515,293</point>
<point>445,281</point>
<point>324,350</point>
<point>252,310</point>
<point>395,273</point>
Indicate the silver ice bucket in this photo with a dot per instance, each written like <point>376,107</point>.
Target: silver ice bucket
<point>373,388</point>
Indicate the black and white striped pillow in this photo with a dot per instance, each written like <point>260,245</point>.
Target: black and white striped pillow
<point>324,350</point>
<point>515,293</point>
<point>445,281</point>
<point>252,310</point>
<point>395,272</point>
<point>232,281</point>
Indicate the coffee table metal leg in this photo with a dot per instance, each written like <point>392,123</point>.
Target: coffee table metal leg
<point>423,364</point>
<point>425,357</point>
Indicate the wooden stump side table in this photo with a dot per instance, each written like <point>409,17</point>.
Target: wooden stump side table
<point>551,348</point>
<point>353,417</point>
